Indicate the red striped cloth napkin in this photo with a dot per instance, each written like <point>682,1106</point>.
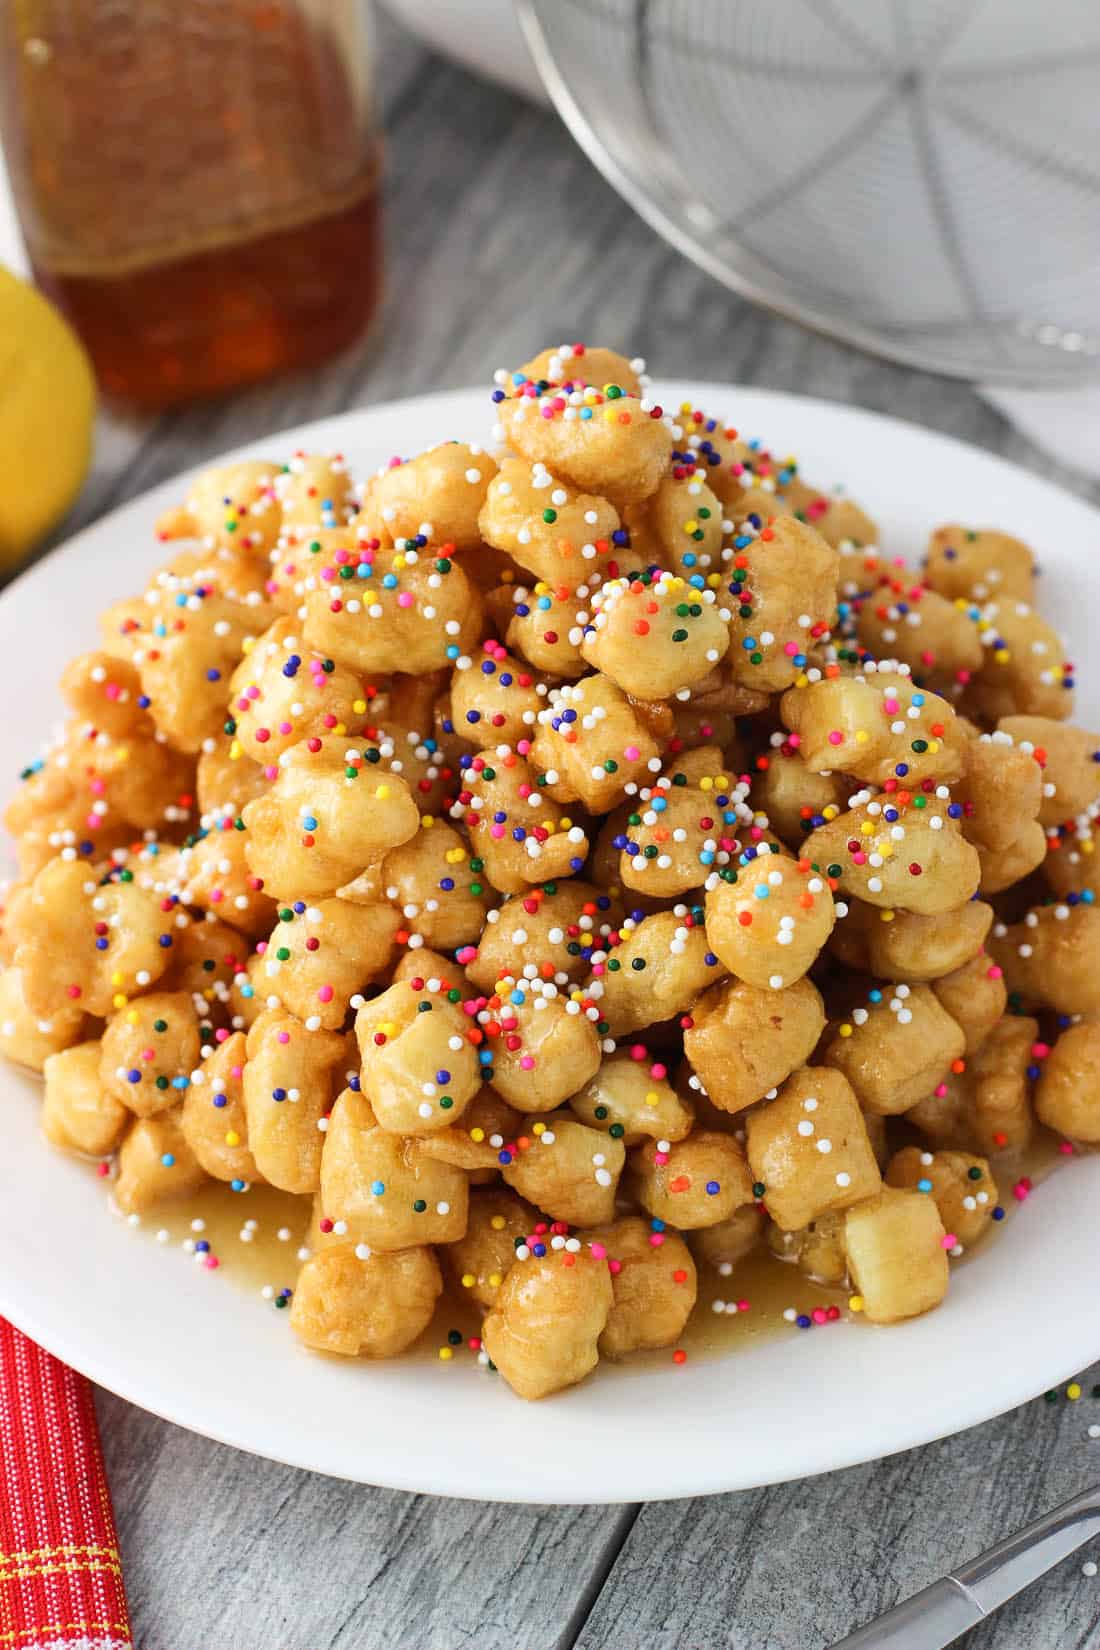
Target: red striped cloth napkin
<point>60,1571</point>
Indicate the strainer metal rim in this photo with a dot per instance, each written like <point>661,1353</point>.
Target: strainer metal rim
<point>677,231</point>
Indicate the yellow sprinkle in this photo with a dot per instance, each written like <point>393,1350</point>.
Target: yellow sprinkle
<point>468,1280</point>
<point>862,736</point>
<point>610,415</point>
<point>652,1098</point>
<point>855,1303</point>
<point>845,1031</point>
<point>538,1128</point>
<point>232,1138</point>
<point>382,793</point>
<point>1087,846</point>
<point>399,561</point>
<point>550,825</point>
<point>446,1353</point>
<point>867,828</point>
<point>1073,1391</point>
<point>713,580</point>
<point>802,681</point>
<point>886,916</point>
<point>116,978</point>
<point>131,1018</point>
<point>565,824</point>
<point>830,812</point>
<point>248,644</point>
<point>885,850</point>
<point>497,1223</point>
<point>1002,655</point>
<point>119,1000</point>
<point>933,746</point>
<point>686,407</point>
<point>477,1136</point>
<point>455,856</point>
<point>427,821</point>
<point>359,706</point>
<point>691,526</point>
<point>495,1280</point>
<point>542,589</point>
<point>706,784</point>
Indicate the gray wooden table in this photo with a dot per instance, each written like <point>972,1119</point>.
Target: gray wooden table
<point>502,239</point>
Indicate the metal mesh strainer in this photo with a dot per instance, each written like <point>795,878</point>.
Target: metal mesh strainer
<point>918,177</point>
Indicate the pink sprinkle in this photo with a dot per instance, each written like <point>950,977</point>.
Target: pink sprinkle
<point>523,746</point>
<point>658,1071</point>
<point>221,1035</point>
<point>467,954</point>
<point>235,1071</point>
<point>286,727</point>
<point>742,1306</point>
<point>638,1051</point>
<point>890,705</point>
<point>940,1090</point>
<point>818,1314</point>
<point>615,1267</point>
<point>836,737</point>
<point>1022,1190</point>
<point>102,1170</point>
<point>949,1240</point>
<point>794,740</point>
<point>527,1063</point>
<point>656,1239</point>
<point>405,599</point>
<point>211,1263</point>
<point>598,1251</point>
<point>496,831</point>
<point>632,753</point>
<point>271,772</point>
<point>325,994</point>
<point>790,649</point>
<point>284,1036</point>
<point>859,859</point>
<point>1066,1148</point>
<point>995,972</point>
<point>1040,1050</point>
<point>660,1159</point>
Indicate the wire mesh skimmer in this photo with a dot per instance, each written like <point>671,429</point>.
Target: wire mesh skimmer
<point>917,177</point>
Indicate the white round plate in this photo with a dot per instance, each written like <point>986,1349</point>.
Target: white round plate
<point>196,1350</point>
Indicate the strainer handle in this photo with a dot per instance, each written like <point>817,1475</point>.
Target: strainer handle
<point>938,1615</point>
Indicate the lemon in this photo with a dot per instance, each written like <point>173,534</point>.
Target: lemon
<point>47,406</point>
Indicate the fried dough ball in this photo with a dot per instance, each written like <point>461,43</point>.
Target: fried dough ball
<point>559,534</point>
<point>27,1038</point>
<point>987,1109</point>
<point>1025,671</point>
<point>809,1148</point>
<point>225,781</point>
<point>289,1081</point>
<point>479,1261</point>
<point>877,725</point>
<point>633,1101</point>
<point>87,942</point>
<point>566,1169</point>
<point>149,1050</point>
<point>1003,867</point>
<point>104,692</point>
<point>388,1191</point>
<point>545,626</point>
<point>233,505</point>
<point>1068,760</point>
<point>1000,791</point>
<point>314,490</point>
<point>655,634</point>
<point>768,925</point>
<point>894,1051</point>
<point>556,1052</point>
<point>155,1164</point>
<point>282,692</point>
<point>546,1320</point>
<point>902,945</point>
<point>206,958</point>
<point>214,874</point>
<point>896,1256</point>
<point>979,564</point>
<point>699,1181</point>
<point>726,1245</point>
<point>654,1286</point>
<point>519,833</point>
<point>187,658</point>
<point>817,1249</point>
<point>415,612</point>
<point>438,494</point>
<point>1066,1099</point>
<point>620,451</point>
<point>429,881</point>
<point>318,959</point>
<point>372,1308</point>
<point>575,366</point>
<point>494,699</point>
<point>900,859</point>
<point>795,798</point>
<point>475,1143</point>
<point>420,1069</point>
<point>556,930</point>
<point>938,640</point>
<point>78,1112</point>
<point>1072,865</point>
<point>786,576</point>
<point>1052,957</point>
<point>975,997</point>
<point>214,1120</point>
<point>960,1184</point>
<point>325,818</point>
<point>591,742</point>
<point>745,1040</point>
<point>663,965</point>
<point>679,526</point>
<point>679,827</point>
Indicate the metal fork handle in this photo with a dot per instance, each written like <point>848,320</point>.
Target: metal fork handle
<point>940,1613</point>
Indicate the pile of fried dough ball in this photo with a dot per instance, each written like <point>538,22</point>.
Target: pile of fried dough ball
<point>570,869</point>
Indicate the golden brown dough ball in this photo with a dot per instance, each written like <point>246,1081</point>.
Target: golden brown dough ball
<point>902,945</point>
<point>566,1169</point>
<point>420,1068</point>
<point>924,630</point>
<point>1003,867</point>
<point>655,634</point>
<point>546,1320</point>
<point>975,997</point>
<point>1052,957</point>
<point>554,932</point>
<point>690,1183</point>
<point>438,494</point>
<point>960,1184</point>
<point>1067,1099</point>
<point>794,797</point>
<point>104,692</point>
<point>653,1281</point>
<point>896,1049</point>
<point>1068,760</point>
<point>213,873</point>
<point>563,536</point>
<point>999,792</point>
<point>896,1256</point>
<point>388,1193</point>
<point>150,1048</point>
<point>547,1050</point>
<point>965,563</point>
<point>681,826</point>
<point>290,1077</point>
<point>817,1249</point>
<point>575,365</point>
<point>809,1148</point>
<point>745,1040</point>
<point>878,726</point>
<point>155,1164</point>
<point>726,1245</point>
<point>897,856</point>
<point>365,1308</point>
<point>783,596</point>
<point>417,611</point>
<point>214,1120</point>
<point>78,1113</point>
<point>185,670</point>
<point>614,445</point>
<point>987,1109</point>
<point>768,923</point>
<point>326,817</point>
<point>78,940</point>
<point>680,526</point>
<point>1024,672</point>
<point>435,894</point>
<point>494,698</point>
<point>632,1099</point>
<point>226,779</point>
<point>545,626</point>
<point>479,1261</point>
<point>29,1039</point>
<point>487,1126</point>
<point>282,692</point>
<point>591,742</point>
<point>657,970</point>
<point>520,835</point>
<point>317,959</point>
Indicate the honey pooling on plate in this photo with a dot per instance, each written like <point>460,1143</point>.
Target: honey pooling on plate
<point>726,972</point>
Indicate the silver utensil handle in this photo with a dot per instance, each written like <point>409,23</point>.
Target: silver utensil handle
<point>935,1617</point>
